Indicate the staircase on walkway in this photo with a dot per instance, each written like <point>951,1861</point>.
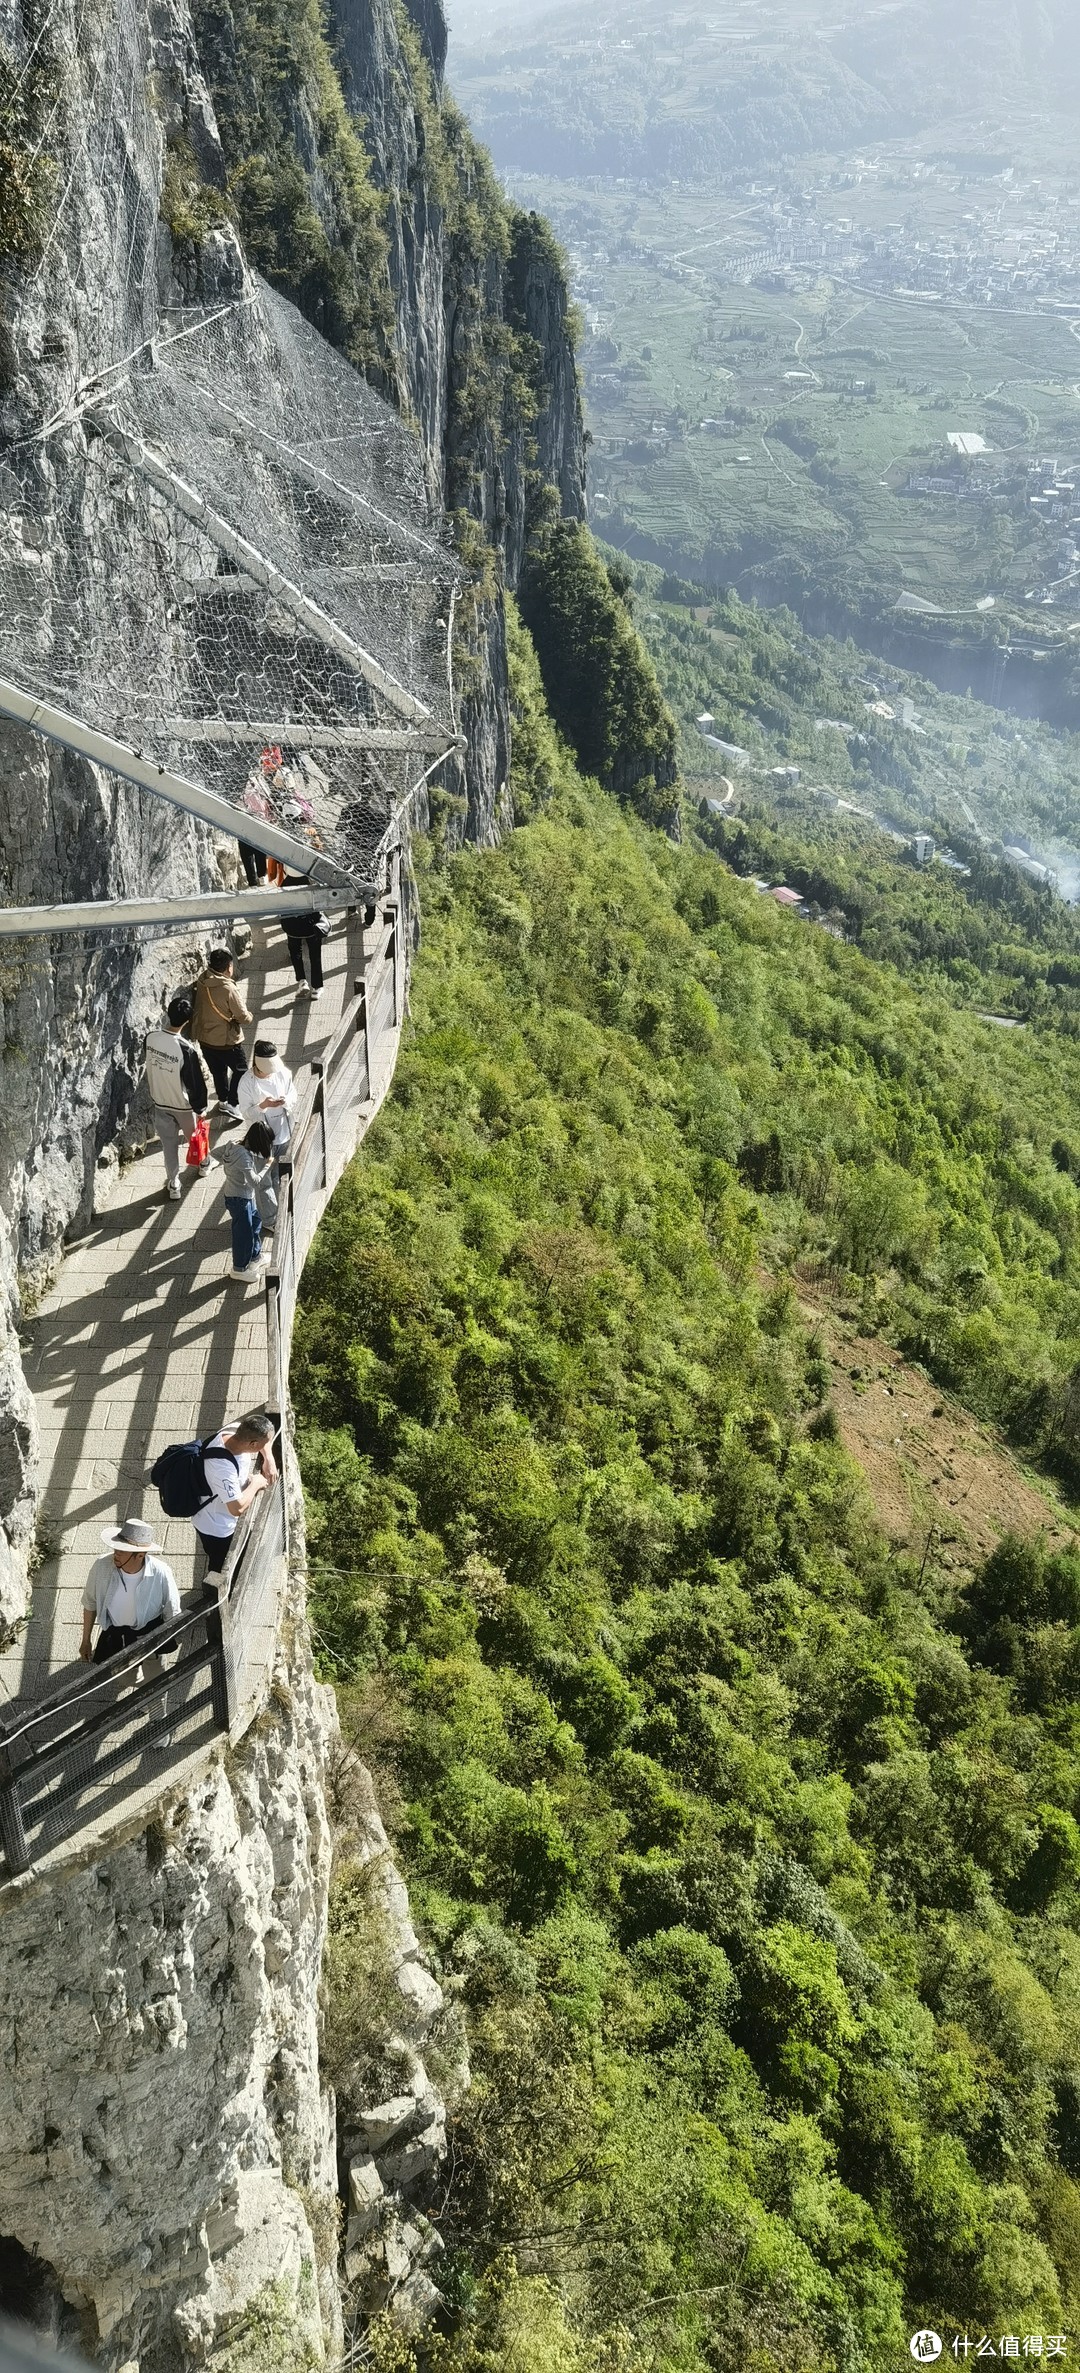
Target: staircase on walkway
<point>144,1340</point>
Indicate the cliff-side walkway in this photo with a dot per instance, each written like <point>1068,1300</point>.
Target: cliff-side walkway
<point>144,1339</point>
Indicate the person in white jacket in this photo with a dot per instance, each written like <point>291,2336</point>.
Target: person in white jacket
<point>267,1093</point>
<point>177,1084</point>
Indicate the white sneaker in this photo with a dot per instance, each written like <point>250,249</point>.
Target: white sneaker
<point>303,988</point>
<point>315,992</point>
<point>243,1276</point>
<point>172,1190</point>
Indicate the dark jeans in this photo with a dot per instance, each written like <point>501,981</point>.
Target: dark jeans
<point>217,1547</point>
<point>225,1065</point>
<point>247,1230</point>
<point>314,949</point>
<point>118,1636</point>
<point>253,862</point>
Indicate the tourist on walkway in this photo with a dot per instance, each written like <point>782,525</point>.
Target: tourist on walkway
<point>305,932</point>
<point>128,1594</point>
<point>268,1093</point>
<point>247,1175</point>
<point>253,862</point>
<point>218,1027</point>
<point>238,1464</point>
<point>177,1084</point>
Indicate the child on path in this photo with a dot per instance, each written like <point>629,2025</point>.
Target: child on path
<point>247,1172</point>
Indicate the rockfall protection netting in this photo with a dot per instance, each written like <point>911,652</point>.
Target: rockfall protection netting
<point>224,557</point>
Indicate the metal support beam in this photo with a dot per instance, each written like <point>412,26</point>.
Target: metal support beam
<point>303,737</point>
<point>276,450</point>
<point>247,557</point>
<point>150,775</point>
<point>174,914</point>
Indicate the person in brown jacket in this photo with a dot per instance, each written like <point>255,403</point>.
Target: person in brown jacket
<point>217,1027</point>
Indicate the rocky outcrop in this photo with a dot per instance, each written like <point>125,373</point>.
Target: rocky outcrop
<point>391,2115</point>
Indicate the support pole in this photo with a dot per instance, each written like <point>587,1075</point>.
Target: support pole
<point>288,457</point>
<point>246,556</point>
<point>173,914</point>
<point>297,736</point>
<point>150,775</point>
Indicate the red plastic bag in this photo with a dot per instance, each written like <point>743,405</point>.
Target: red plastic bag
<point>198,1146</point>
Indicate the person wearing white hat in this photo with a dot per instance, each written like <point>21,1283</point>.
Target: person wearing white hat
<point>131,1592</point>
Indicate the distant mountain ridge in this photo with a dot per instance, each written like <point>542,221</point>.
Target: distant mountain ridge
<point>643,90</point>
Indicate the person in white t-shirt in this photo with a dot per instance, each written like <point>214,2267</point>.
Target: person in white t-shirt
<point>128,1594</point>
<point>238,1464</point>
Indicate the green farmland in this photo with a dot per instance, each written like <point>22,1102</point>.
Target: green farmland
<point>828,401</point>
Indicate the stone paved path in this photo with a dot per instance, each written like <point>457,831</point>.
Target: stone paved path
<point>144,1340</point>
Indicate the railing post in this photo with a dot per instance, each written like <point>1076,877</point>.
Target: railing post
<point>12,1832</point>
<point>360,993</point>
<point>223,1667</point>
<point>274,1360</point>
<point>390,915</point>
<point>319,1106</point>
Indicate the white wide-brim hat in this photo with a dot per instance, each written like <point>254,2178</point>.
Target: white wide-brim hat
<point>133,1535</point>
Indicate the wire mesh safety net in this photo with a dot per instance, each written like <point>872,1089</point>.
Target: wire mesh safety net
<point>225,557</point>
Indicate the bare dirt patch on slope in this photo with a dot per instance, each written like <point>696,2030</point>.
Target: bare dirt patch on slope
<point>932,1468</point>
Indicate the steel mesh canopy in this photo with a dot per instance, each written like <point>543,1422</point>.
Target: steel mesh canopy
<point>228,548</point>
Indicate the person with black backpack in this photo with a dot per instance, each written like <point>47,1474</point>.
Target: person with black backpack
<point>213,1482</point>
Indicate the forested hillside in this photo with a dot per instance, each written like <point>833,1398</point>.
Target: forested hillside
<point>747,1842</point>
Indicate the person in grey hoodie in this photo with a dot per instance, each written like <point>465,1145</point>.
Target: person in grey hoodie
<point>177,1084</point>
<point>246,1165</point>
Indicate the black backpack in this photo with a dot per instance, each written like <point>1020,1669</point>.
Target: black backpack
<point>180,1477</point>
